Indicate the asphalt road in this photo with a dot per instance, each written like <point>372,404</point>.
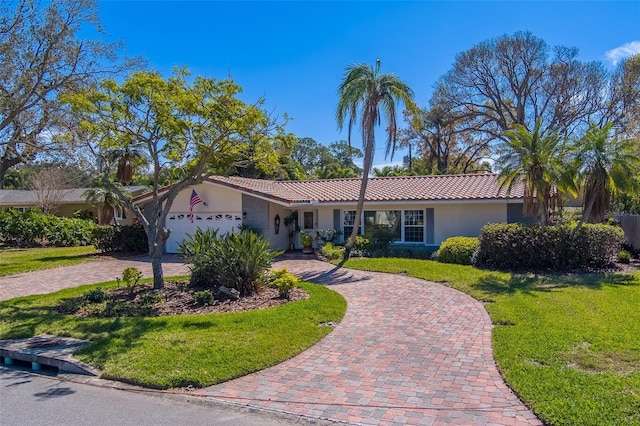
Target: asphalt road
<point>33,399</point>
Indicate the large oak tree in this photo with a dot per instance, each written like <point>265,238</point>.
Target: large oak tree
<point>41,56</point>
<point>520,80</point>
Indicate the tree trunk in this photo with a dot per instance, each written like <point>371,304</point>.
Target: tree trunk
<point>368,159</point>
<point>156,266</point>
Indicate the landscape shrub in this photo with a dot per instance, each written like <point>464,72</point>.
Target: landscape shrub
<point>120,238</point>
<point>559,248</point>
<point>203,297</point>
<point>237,261</point>
<point>97,295</point>
<point>131,278</point>
<point>32,227</point>
<point>624,256</point>
<point>458,250</point>
<point>331,251</point>
<point>284,281</point>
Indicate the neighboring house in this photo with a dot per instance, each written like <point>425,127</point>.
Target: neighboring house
<point>419,211</point>
<point>65,202</point>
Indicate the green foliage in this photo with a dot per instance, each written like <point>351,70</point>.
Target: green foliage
<point>96,295</point>
<point>537,160</point>
<point>85,214</point>
<point>284,281</point>
<point>306,239</point>
<point>624,256</point>
<point>120,238</point>
<point>459,250</point>
<point>131,278</point>
<point>202,349</point>
<point>361,243</point>
<point>32,228</point>
<point>331,251</point>
<point>518,246</point>
<point>203,297</point>
<point>150,298</point>
<point>237,261</point>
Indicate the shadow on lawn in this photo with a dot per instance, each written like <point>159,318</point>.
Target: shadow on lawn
<point>493,284</point>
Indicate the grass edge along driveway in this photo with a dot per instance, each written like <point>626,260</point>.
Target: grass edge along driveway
<point>19,260</point>
<point>177,351</point>
<point>568,345</point>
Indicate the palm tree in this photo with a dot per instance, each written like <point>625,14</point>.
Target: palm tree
<point>535,160</point>
<point>373,95</point>
<point>607,165</point>
<point>107,201</point>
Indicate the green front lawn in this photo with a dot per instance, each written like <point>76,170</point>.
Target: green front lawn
<point>568,345</point>
<point>16,261</point>
<point>174,351</point>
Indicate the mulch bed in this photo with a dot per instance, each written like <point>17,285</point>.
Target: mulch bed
<point>177,299</point>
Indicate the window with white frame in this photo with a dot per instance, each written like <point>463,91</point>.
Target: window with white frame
<point>401,225</point>
<point>383,223</point>
<point>348,222</point>
<point>414,226</point>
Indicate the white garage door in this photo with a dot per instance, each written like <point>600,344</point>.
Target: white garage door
<point>180,226</point>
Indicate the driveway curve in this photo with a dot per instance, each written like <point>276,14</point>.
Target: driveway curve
<point>407,351</point>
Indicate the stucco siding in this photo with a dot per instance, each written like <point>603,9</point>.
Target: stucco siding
<point>255,213</point>
<point>451,220</point>
<point>217,199</point>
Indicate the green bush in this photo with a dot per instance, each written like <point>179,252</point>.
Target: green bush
<point>97,295</point>
<point>458,250</point>
<point>150,298</point>
<point>131,278</point>
<point>33,228</point>
<point>284,281</point>
<point>624,256</point>
<point>559,248</point>
<point>120,238</point>
<point>203,297</point>
<point>331,251</point>
<point>237,261</point>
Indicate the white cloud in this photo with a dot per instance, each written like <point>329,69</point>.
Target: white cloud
<point>624,51</point>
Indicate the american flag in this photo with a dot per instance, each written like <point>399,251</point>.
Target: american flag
<point>195,199</point>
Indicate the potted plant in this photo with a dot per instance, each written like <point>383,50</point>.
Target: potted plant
<point>307,242</point>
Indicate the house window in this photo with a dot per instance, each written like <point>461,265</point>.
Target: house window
<point>414,226</point>
<point>308,220</point>
<point>383,224</point>
<point>347,223</point>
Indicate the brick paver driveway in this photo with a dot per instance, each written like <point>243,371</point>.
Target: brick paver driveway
<point>104,269</point>
<point>407,351</point>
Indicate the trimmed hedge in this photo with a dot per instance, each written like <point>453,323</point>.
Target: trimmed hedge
<point>120,238</point>
<point>33,228</point>
<point>534,247</point>
<point>459,250</point>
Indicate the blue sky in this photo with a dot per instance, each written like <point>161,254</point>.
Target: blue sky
<point>295,53</point>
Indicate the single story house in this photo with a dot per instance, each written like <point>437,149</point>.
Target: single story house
<point>419,211</point>
<point>64,202</point>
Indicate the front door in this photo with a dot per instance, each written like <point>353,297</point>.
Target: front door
<point>308,222</point>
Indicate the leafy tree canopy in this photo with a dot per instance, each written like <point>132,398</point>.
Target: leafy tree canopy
<point>186,128</point>
<point>41,56</point>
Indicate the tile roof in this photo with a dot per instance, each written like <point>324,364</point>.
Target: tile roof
<point>17,197</point>
<point>22,197</point>
<point>395,189</point>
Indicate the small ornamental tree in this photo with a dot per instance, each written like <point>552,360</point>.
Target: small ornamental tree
<point>195,125</point>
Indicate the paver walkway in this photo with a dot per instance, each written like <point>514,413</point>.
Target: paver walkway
<point>104,269</point>
<point>407,351</point>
